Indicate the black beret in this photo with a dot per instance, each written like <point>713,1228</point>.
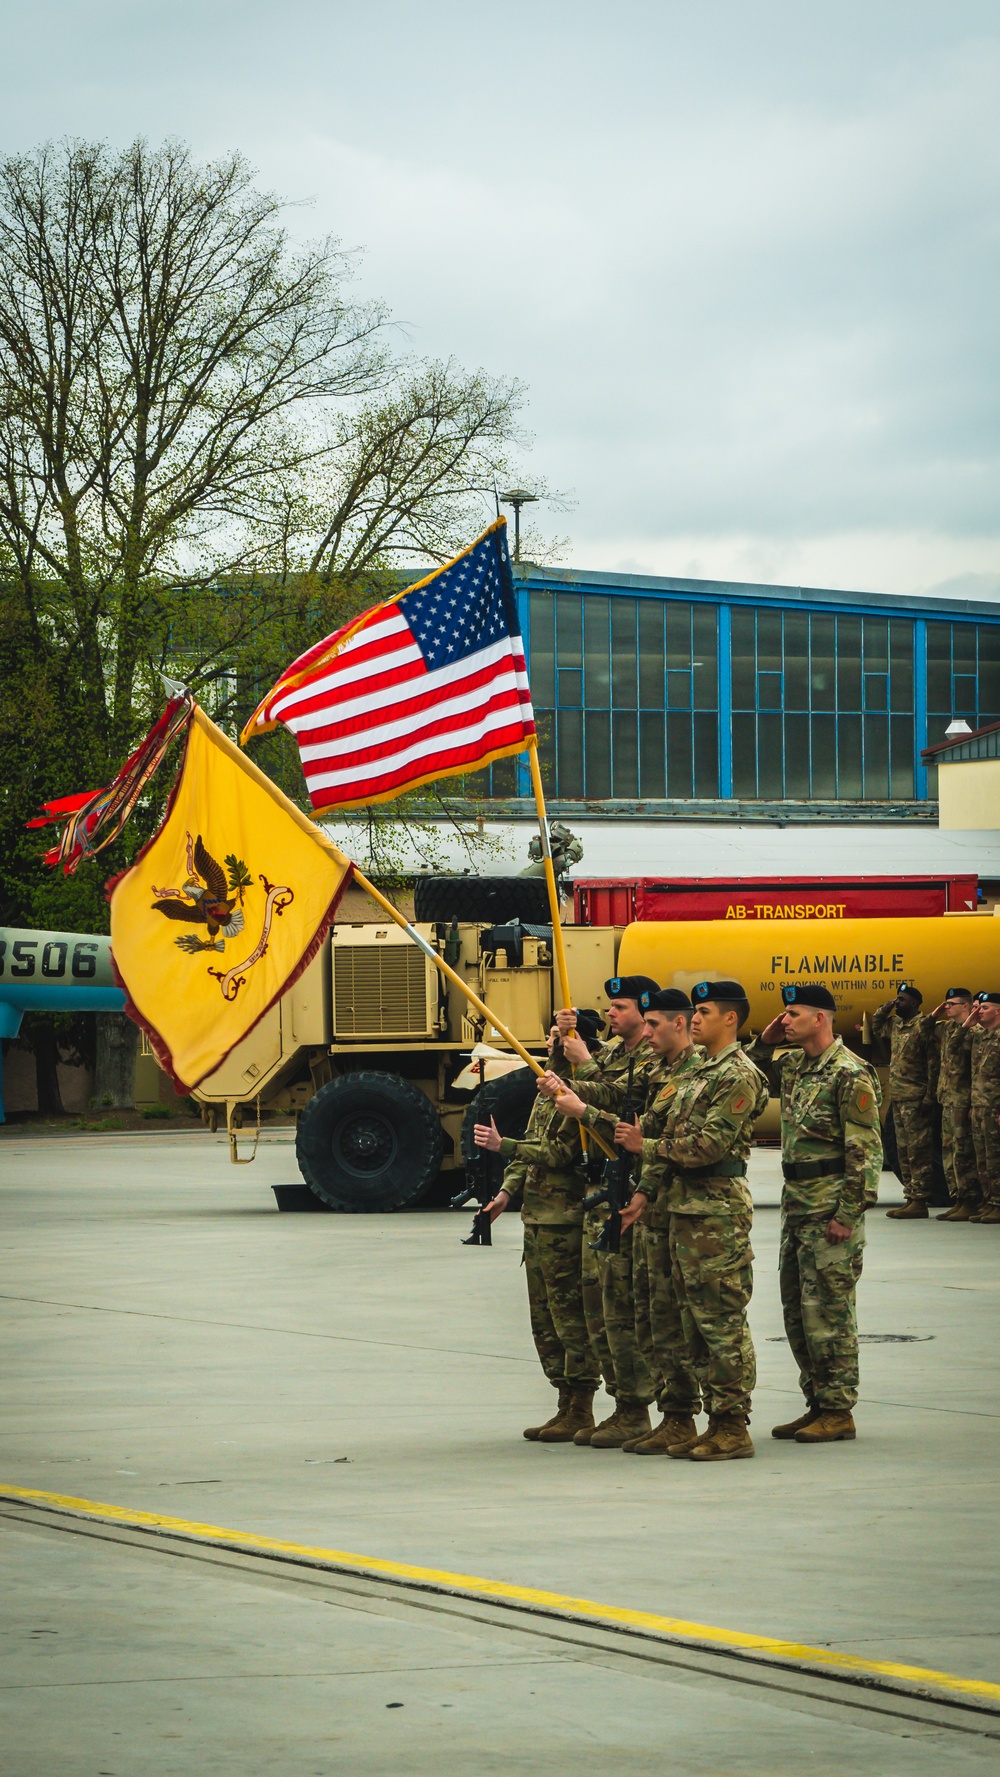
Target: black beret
<point>908,991</point>
<point>809,993</point>
<point>958,993</point>
<point>988,999</point>
<point>718,990</point>
<point>665,999</point>
<point>629,987</point>
<point>589,1025</point>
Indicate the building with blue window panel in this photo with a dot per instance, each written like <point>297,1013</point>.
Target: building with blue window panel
<point>655,692</point>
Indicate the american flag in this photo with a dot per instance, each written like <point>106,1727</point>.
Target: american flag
<point>428,684</point>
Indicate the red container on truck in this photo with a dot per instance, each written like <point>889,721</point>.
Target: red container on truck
<point>616,901</point>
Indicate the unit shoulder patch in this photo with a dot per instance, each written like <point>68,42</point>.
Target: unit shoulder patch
<point>863,1106</point>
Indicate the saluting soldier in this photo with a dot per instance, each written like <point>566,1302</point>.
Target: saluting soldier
<point>831,1159</point>
<point>548,1166</point>
<point>983,1028</point>
<point>954,1095</point>
<point>601,1083</point>
<point>912,1086</point>
<point>706,1138</point>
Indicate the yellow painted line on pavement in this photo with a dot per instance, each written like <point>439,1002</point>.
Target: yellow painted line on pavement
<point>473,1586</point>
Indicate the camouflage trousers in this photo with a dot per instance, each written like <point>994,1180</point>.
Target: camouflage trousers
<point>818,1280</point>
<point>986,1137</point>
<point>658,1324</point>
<point>555,1305</point>
<point>711,1263</point>
<point>958,1153</point>
<point>610,1309</point>
<point>914,1125</point>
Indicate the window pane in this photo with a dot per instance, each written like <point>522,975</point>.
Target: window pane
<point>797,756</point>
<point>678,690</point>
<point>769,757</point>
<point>876,632</point>
<point>706,657</point>
<point>744,756</point>
<point>989,668</point>
<point>963,647</point>
<point>822,664</point>
<point>597,651</point>
<point>796,660</point>
<point>706,755</point>
<point>849,665</point>
<point>569,629</point>
<point>652,755</point>
<point>824,756</point>
<point>876,691</point>
<point>901,665</point>
<point>597,735</point>
<point>769,691</point>
<point>964,697</point>
<point>570,748</point>
<point>650,654</point>
<point>504,778</point>
<point>679,771</point>
<point>876,756</point>
<point>901,736</point>
<point>625,756</point>
<point>743,666</point>
<point>570,687</point>
<point>545,723</point>
<point>769,641</point>
<point>848,756</point>
<point>623,656</point>
<point>939,667</point>
<point>542,647</point>
<point>678,618</point>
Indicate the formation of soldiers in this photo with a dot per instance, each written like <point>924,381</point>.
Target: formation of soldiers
<point>664,1318</point>
<point>948,1058</point>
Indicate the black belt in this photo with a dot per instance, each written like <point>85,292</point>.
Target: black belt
<point>721,1169</point>
<point>801,1171</point>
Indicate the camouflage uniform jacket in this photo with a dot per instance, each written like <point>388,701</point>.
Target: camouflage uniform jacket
<point>829,1111</point>
<point>913,1054</point>
<point>654,1176</point>
<point>603,1081</point>
<point>955,1065</point>
<point>985,1049</point>
<point>709,1118</point>
<point>547,1166</point>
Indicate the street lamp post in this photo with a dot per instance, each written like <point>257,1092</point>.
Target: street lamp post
<point>517,498</point>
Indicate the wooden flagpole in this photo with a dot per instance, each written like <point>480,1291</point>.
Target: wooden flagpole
<point>456,979</point>
<point>558,946</point>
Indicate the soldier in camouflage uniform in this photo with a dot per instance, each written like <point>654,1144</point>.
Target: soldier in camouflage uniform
<point>601,1082</point>
<point>831,1158</point>
<point>983,1029</point>
<point>548,1166</point>
<point>701,1159</point>
<point>954,1095</point>
<point>912,1086</point>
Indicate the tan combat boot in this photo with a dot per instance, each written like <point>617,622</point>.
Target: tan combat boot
<point>627,1423</point>
<point>959,1212</point>
<point>534,1432</point>
<point>576,1415</point>
<point>989,1213</point>
<point>796,1425</point>
<point>729,1441</point>
<point>829,1427</point>
<point>914,1211</point>
<point>685,1445</point>
<point>673,1430</point>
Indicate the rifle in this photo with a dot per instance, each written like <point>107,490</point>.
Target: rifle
<point>617,1186</point>
<point>481,1234</point>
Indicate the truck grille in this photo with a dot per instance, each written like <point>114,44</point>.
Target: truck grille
<point>379,990</point>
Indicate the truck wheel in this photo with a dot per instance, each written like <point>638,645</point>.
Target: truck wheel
<point>489,900</point>
<point>369,1142</point>
<point>508,1100</point>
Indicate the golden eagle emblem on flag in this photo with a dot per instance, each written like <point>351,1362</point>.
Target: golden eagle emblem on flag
<point>207,898</point>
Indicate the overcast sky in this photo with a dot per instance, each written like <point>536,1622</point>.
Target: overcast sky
<point>744,254</point>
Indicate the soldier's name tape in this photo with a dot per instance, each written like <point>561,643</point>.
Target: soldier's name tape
<point>531,1598</point>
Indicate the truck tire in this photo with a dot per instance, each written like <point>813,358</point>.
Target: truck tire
<point>369,1142</point>
<point>486,900</point>
<point>508,1100</point>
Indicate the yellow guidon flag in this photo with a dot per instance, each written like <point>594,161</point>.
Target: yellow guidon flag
<point>222,909</point>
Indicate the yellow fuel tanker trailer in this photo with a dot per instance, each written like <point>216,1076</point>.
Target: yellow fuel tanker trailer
<point>862,961</point>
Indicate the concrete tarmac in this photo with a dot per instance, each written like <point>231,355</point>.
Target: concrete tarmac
<point>174,1345</point>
